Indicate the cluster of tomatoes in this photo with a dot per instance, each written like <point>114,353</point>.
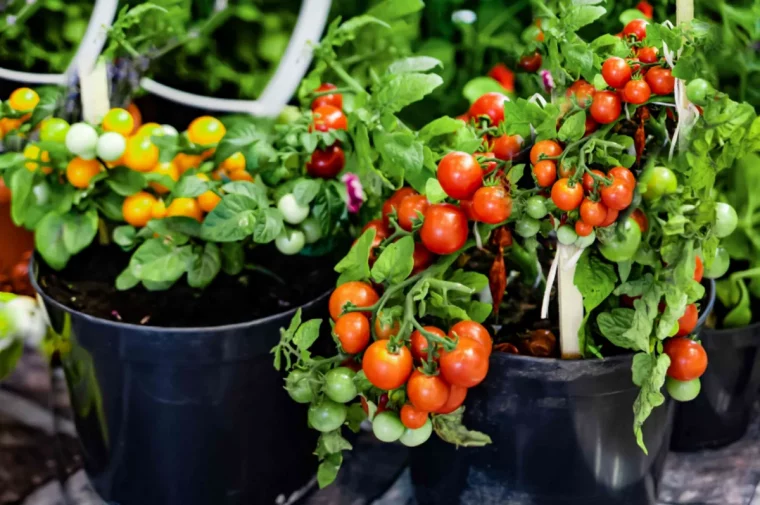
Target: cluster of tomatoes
<point>22,101</point>
<point>390,365</point>
<point>327,109</point>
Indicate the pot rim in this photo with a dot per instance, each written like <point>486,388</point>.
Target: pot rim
<point>504,356</point>
<point>33,273</point>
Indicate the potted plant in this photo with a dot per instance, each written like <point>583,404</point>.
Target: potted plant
<point>633,228</point>
<point>167,262</point>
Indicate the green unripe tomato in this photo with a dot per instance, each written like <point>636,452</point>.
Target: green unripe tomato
<point>725,219</point>
<point>413,438</point>
<point>327,415</point>
<point>683,391</point>
<point>292,211</point>
<point>290,242</point>
<point>54,130</point>
<point>619,248</point>
<point>536,207</point>
<point>657,182</point>
<point>719,265</point>
<point>698,91</point>
<point>527,227</point>
<point>298,386</point>
<point>312,230</point>
<point>289,115</point>
<point>339,385</point>
<point>387,426</point>
<point>566,235</point>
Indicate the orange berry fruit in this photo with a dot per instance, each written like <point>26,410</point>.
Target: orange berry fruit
<point>187,207</point>
<point>23,99</point>
<point>187,161</point>
<point>80,172</point>
<point>241,175</point>
<point>167,168</point>
<point>141,154</point>
<point>206,130</point>
<point>138,208</point>
<point>118,120</point>
<point>234,163</point>
<point>136,116</point>
<point>158,210</point>
<point>208,201</point>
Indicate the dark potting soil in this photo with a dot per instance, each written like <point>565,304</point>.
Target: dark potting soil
<point>87,285</point>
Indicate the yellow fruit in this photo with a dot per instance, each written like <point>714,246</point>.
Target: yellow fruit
<point>149,129</point>
<point>34,156</point>
<point>208,201</point>
<point>80,172</point>
<point>166,168</point>
<point>119,121</point>
<point>187,161</point>
<point>138,209</point>
<point>205,130</point>
<point>23,99</point>
<point>136,116</point>
<point>141,154</point>
<point>241,175</point>
<point>234,163</point>
<point>159,210</point>
<point>187,207</point>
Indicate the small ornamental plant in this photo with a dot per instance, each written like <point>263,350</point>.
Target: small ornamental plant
<point>607,178</point>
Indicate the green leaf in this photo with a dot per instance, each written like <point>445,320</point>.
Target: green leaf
<point>450,429</point>
<point>126,280</point>
<point>305,190</point>
<point>205,266</point>
<point>20,184</point>
<point>617,327</point>
<point>48,240</point>
<point>479,311</point>
<point>233,258</point>
<point>434,192</point>
<point>269,224</point>
<point>441,126</point>
<point>473,280</point>
<point>355,417</point>
<point>79,230</point>
<point>629,15</point>
<point>401,150</point>
<point>331,442</point>
<point>307,334</point>
<point>395,263</point>
<point>579,16</point>
<point>233,219</point>
<point>46,106</point>
<point>652,378</point>
<point>414,64</point>
<point>395,9</point>
<point>328,470</point>
<point>479,86</point>
<point>573,128</point>
<point>124,181</point>
<point>355,265</point>
<point>155,261</point>
<point>237,139</point>
<point>405,89</point>
<point>595,279</point>
<point>178,224</point>
<point>257,192</point>
<point>110,206</point>
<point>190,186</point>
<point>125,236</point>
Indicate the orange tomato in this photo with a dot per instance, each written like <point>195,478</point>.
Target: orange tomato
<point>80,172</point>
<point>23,99</point>
<point>187,207</point>
<point>208,201</point>
<point>136,116</point>
<point>141,154</point>
<point>158,211</point>
<point>234,163</point>
<point>241,175</point>
<point>205,130</point>
<point>187,161</point>
<point>138,209</point>
<point>167,168</point>
<point>118,120</point>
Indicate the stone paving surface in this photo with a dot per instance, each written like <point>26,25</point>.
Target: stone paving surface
<point>40,463</point>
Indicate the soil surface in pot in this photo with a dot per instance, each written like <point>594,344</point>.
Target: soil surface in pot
<point>87,285</point>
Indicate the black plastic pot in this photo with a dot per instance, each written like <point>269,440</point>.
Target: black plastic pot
<point>562,433</point>
<point>192,416</point>
<point>722,412</point>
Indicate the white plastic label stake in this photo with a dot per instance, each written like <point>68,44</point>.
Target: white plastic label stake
<point>570,302</point>
<point>93,85</point>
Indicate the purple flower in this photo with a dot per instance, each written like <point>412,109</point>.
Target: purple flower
<point>548,80</point>
<point>354,191</point>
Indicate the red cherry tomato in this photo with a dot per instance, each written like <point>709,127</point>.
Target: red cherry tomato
<point>641,219</point>
<point>392,203</point>
<point>636,92</point>
<point>492,205</point>
<point>488,166</point>
<point>457,395</point>
<point>422,258</point>
<point>688,359</point>
<point>531,62</point>
<point>413,418</point>
<point>660,80</point>
<point>427,392</point>
<point>419,343</point>
<point>381,233</point>
<point>466,206</point>
<point>606,107</point>
<point>491,105</point>
<point>617,196</point>
<point>588,181</point>
<point>583,229</point>
<point>591,126</point>
<point>353,332</point>
<point>583,92</point>
<point>647,54</point>
<point>646,8</point>
<point>567,197</point>
<point>445,229</point>
<point>503,76</point>
<point>546,148</point>
<point>616,72</point>
<point>467,365</point>
<point>507,147</point>
<point>384,369</point>
<point>460,175</point>
<point>328,118</point>
<point>699,269</point>
<point>326,163</point>
<point>688,321</point>
<point>612,216</point>
<point>636,28</point>
<point>359,293</point>
<point>411,207</point>
<point>625,175</point>
<point>545,172</point>
<point>593,213</point>
<point>333,99</point>
<point>473,330</point>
